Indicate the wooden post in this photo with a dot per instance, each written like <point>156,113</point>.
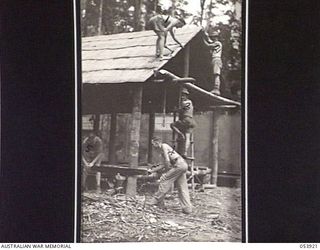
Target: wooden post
<point>214,156</point>
<point>151,133</point>
<point>164,106</point>
<point>181,144</point>
<point>186,61</point>
<point>135,138</point>
<point>112,138</point>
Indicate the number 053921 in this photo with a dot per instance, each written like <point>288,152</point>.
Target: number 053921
<point>308,245</point>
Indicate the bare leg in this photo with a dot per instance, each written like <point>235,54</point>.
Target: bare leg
<point>161,44</point>
<point>175,129</point>
<point>187,136</point>
<point>216,86</point>
<point>158,45</point>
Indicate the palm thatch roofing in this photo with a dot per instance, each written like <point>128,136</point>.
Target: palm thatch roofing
<point>126,57</point>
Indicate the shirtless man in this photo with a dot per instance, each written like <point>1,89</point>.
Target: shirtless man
<point>161,25</point>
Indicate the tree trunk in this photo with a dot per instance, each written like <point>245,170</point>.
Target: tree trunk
<point>137,15</point>
<point>202,3</point>
<point>173,7</point>
<point>155,5</point>
<point>143,16</point>
<point>100,18</point>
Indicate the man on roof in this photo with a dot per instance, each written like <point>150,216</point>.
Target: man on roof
<point>216,50</point>
<point>184,126</point>
<point>161,25</point>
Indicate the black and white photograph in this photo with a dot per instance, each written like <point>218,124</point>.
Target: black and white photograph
<point>161,121</point>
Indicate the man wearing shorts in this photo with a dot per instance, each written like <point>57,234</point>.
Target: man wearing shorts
<point>161,25</point>
<point>184,126</point>
<point>216,51</point>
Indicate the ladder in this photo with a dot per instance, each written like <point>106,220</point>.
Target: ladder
<point>191,158</point>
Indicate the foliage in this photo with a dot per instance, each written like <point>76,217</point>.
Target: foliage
<point>118,16</point>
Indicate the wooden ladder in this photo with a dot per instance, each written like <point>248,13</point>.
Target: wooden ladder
<point>191,159</point>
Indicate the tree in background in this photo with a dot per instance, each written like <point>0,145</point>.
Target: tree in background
<point>103,17</point>
<point>118,16</point>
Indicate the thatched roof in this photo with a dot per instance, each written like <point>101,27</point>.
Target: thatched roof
<point>126,57</point>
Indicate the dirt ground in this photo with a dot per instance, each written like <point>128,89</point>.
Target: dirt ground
<point>118,218</point>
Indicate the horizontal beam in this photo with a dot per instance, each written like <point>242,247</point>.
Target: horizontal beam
<point>223,107</point>
<point>188,83</point>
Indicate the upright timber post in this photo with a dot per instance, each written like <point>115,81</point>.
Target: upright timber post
<point>112,138</point>
<point>186,62</point>
<point>214,148</point>
<point>181,144</point>
<point>151,133</point>
<point>96,123</point>
<point>134,137</point>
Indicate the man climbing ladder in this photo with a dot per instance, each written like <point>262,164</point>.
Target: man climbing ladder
<point>184,126</point>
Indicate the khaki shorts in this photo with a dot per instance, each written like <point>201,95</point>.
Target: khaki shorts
<point>185,125</point>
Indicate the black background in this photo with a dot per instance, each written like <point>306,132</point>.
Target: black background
<point>37,121</point>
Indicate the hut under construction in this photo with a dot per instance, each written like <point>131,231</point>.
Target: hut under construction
<point>120,75</point>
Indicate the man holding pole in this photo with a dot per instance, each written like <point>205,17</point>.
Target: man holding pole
<point>184,126</point>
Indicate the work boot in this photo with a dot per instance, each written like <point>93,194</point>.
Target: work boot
<point>161,204</point>
<point>162,58</point>
<point>153,201</point>
<point>187,210</point>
